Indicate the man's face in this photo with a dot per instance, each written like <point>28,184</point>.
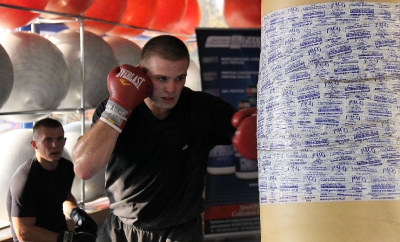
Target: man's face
<point>49,144</point>
<point>168,78</point>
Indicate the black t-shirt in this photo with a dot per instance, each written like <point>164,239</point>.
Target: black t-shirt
<point>155,177</point>
<point>36,192</point>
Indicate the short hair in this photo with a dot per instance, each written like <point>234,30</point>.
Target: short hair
<point>45,123</point>
<point>167,47</point>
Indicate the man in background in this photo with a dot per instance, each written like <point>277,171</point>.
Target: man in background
<point>40,192</point>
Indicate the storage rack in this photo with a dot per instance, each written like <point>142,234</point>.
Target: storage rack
<point>81,110</point>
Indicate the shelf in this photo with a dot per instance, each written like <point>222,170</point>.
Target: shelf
<point>81,18</point>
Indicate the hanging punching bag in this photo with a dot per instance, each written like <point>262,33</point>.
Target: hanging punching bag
<point>328,120</point>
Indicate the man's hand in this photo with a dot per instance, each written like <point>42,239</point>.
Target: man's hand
<point>83,222</point>
<point>128,87</point>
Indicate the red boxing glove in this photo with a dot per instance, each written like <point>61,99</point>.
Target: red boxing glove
<point>245,139</point>
<point>128,87</point>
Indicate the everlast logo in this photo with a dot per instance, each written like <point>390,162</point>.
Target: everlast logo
<point>131,77</point>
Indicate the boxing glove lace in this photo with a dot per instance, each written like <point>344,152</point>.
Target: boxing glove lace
<point>128,87</point>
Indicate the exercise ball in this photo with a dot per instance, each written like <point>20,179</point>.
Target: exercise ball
<point>193,78</point>
<point>168,14</point>
<point>5,127</point>
<point>16,149</point>
<point>139,13</point>
<point>99,60</point>
<point>242,13</point>
<point>74,7</point>
<point>108,10</point>
<point>6,76</point>
<point>125,51</point>
<point>13,18</point>
<point>190,20</point>
<point>40,75</point>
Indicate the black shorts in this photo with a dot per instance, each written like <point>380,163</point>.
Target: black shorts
<point>114,230</point>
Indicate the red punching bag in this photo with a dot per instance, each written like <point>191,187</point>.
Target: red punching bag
<point>13,18</point>
<point>139,13</point>
<point>243,13</point>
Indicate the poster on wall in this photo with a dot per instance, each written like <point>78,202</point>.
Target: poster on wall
<point>229,64</point>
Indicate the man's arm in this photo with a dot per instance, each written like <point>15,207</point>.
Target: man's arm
<point>26,230</point>
<point>69,204</point>
<point>93,150</point>
<point>128,87</point>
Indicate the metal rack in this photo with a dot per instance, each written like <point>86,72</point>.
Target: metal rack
<point>73,18</point>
